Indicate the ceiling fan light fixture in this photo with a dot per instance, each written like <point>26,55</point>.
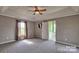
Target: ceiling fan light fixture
<point>37,12</point>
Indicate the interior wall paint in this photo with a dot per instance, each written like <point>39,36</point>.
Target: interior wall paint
<point>44,30</point>
<point>30,29</point>
<point>68,29</point>
<point>38,31</point>
<point>7,29</point>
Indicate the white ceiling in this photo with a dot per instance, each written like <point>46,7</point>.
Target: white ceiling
<point>22,12</point>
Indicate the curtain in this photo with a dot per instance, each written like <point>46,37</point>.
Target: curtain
<point>16,30</point>
<point>26,30</point>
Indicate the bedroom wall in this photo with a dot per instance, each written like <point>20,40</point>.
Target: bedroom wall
<point>68,29</point>
<point>45,30</point>
<point>30,29</point>
<point>7,29</point>
<point>38,31</point>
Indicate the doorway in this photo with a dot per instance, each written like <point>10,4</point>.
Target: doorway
<point>21,30</point>
<point>52,30</point>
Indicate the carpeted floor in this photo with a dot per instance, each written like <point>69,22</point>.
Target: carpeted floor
<point>36,46</point>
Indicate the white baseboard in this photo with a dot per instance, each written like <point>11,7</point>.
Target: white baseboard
<point>7,41</point>
<point>69,44</point>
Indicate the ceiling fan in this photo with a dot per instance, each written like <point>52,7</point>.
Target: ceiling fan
<point>38,10</point>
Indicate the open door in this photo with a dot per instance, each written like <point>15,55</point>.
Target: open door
<point>52,30</point>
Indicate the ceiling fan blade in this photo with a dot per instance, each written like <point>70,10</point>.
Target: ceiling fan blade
<point>32,10</point>
<point>43,10</point>
<point>40,12</point>
<point>37,10</point>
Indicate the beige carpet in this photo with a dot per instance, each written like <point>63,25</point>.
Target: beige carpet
<point>35,46</point>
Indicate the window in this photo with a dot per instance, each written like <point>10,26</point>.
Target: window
<point>21,30</point>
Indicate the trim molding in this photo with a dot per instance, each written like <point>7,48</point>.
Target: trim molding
<point>7,41</point>
<point>65,43</point>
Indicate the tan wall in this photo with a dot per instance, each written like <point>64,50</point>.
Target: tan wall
<point>44,30</point>
<point>7,29</point>
<point>38,31</point>
<point>30,27</point>
<point>68,29</point>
